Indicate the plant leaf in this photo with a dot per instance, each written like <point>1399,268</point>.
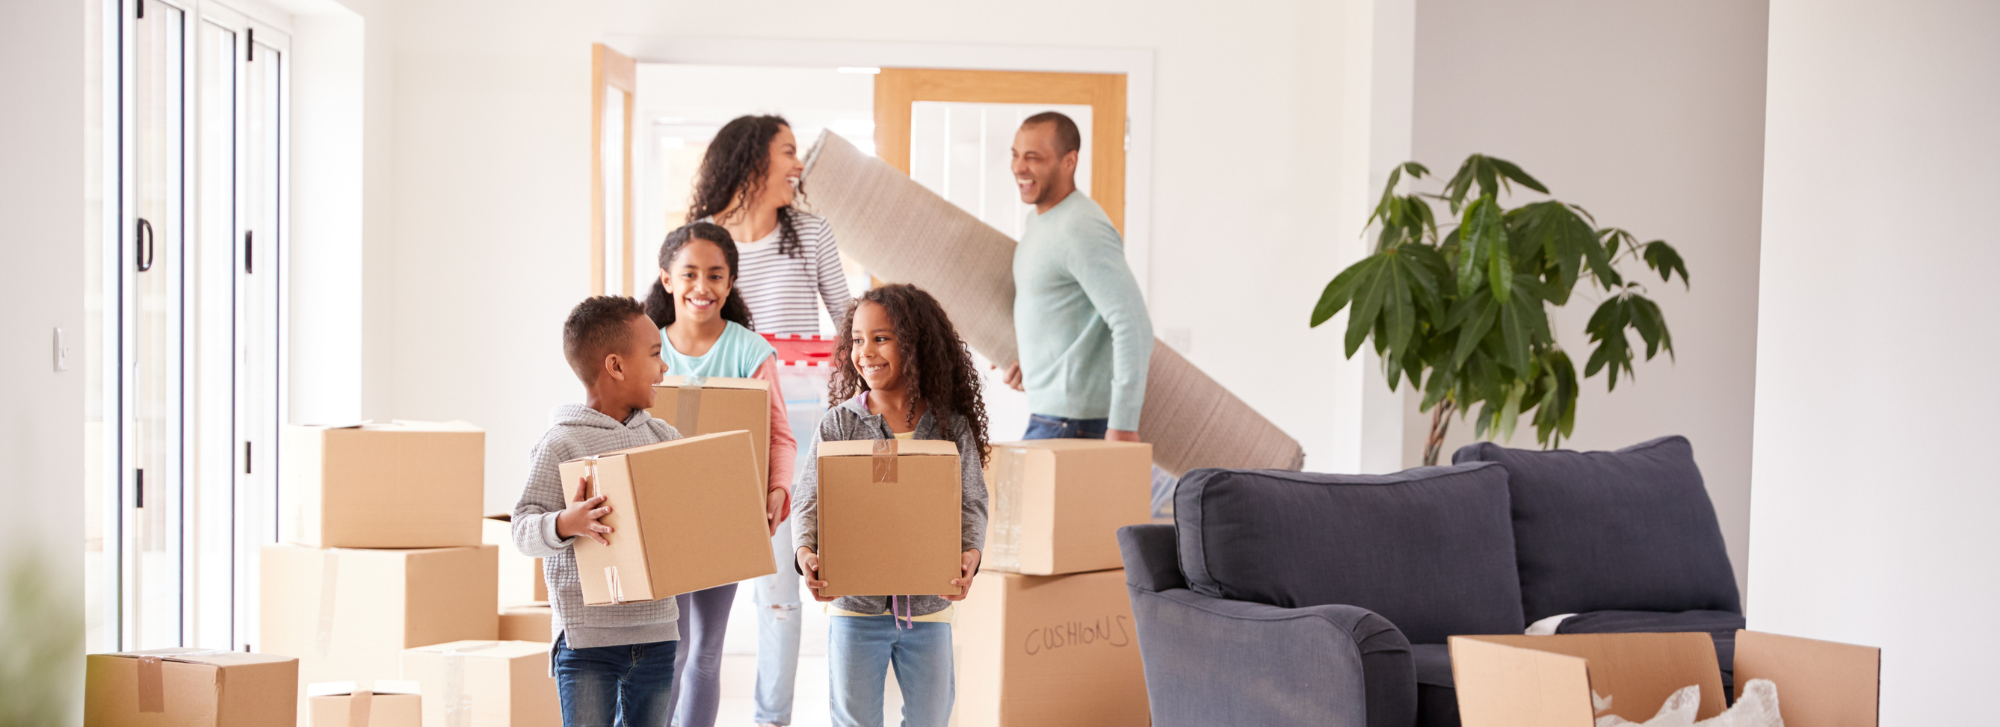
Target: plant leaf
<point>1664,259</point>
<point>1508,169</point>
<point>1339,291</point>
<point>1368,297</point>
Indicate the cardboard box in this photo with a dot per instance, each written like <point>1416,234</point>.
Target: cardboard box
<point>396,485</point>
<point>496,684</point>
<point>1049,650</point>
<point>385,703</point>
<point>347,615</point>
<point>1056,504</point>
<point>685,515</point>
<point>698,405</point>
<point>521,578</point>
<point>1517,681</point>
<point>889,517</point>
<point>189,688</point>
<point>527,623</point>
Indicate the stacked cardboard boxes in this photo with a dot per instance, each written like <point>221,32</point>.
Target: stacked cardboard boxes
<point>382,550</point>
<point>1046,636</point>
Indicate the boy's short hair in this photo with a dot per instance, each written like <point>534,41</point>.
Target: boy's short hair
<point>597,327</point>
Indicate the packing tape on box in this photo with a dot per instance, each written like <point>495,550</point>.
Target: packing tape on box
<point>152,696</point>
<point>687,408</point>
<point>885,460</point>
<point>1003,536</point>
<point>359,704</point>
<point>611,584</point>
<point>329,584</point>
<point>458,704</point>
<point>589,487</point>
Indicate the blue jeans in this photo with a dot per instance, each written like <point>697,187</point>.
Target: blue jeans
<point>1042,426</point>
<point>860,651</point>
<point>625,686</point>
<point>778,627</point>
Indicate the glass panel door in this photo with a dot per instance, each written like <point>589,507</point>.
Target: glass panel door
<point>259,270</point>
<point>151,515</point>
<point>210,337</point>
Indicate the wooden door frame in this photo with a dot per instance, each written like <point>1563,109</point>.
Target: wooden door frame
<point>609,68</point>
<point>1135,64</point>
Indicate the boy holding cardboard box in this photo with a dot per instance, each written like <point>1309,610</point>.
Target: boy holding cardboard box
<point>910,379</point>
<point>618,659</point>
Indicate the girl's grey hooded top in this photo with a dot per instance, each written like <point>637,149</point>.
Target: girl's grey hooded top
<point>851,421</point>
<point>580,431</point>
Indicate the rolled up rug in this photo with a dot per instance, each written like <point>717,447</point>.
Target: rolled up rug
<point>904,233</point>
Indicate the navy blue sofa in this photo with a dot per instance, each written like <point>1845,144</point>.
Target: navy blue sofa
<point>1288,598</point>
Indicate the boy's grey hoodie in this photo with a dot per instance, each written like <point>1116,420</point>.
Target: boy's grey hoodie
<point>850,421</point>
<point>580,431</point>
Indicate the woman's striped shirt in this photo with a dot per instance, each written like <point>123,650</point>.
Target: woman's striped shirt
<point>780,288</point>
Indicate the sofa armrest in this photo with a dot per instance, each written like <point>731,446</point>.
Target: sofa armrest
<point>1212,661</point>
<point>1152,557</point>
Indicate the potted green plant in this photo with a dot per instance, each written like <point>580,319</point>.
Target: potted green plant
<point>1463,314</point>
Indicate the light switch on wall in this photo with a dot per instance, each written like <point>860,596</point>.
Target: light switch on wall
<point>1179,338</point>
<point>61,352</point>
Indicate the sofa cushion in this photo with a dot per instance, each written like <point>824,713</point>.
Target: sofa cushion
<point>1437,695</point>
<point>1720,626</point>
<point>1431,549</point>
<point>1631,530</point>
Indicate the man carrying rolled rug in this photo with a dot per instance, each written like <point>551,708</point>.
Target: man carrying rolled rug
<point>1085,337</point>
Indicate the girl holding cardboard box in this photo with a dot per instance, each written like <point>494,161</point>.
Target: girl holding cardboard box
<point>706,327</point>
<point>903,374</point>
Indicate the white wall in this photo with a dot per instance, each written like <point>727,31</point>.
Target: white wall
<point>1650,115</point>
<point>1873,506</point>
<point>491,126</point>
<point>43,209</point>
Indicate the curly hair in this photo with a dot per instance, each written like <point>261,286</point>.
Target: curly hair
<point>937,367</point>
<point>660,302</point>
<point>733,171</point>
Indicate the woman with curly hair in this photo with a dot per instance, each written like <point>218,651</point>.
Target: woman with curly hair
<point>904,374</point>
<point>749,184</point>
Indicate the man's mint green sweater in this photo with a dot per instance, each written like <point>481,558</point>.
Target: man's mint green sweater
<point>1084,334</point>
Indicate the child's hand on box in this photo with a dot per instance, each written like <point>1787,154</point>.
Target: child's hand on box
<point>774,509</point>
<point>968,564</point>
<point>581,517</point>
<point>809,564</point>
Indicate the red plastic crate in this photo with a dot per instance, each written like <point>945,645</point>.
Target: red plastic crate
<point>802,350</point>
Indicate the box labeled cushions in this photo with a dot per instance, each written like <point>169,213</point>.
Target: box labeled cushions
<point>1056,504</point>
<point>1049,650</point>
<point>707,405</point>
<point>347,615</point>
<point>395,485</point>
<point>1510,681</point>
<point>527,623</point>
<point>889,517</point>
<point>190,688</point>
<point>485,684</point>
<point>521,580</point>
<point>387,703</point>
<point>685,515</point>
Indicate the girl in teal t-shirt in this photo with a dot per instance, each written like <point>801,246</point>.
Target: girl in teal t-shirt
<point>706,328</point>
